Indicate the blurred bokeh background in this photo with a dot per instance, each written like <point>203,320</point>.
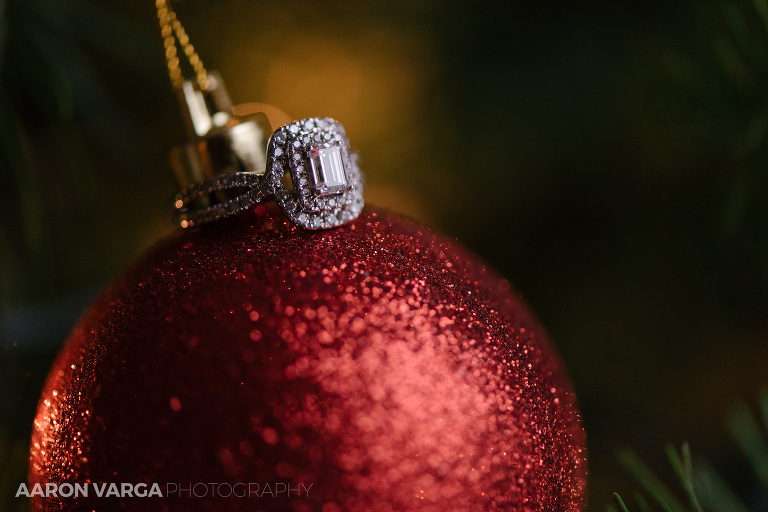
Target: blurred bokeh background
<point>609,158</point>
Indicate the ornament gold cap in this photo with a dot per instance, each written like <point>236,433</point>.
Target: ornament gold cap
<point>205,110</point>
<point>219,142</point>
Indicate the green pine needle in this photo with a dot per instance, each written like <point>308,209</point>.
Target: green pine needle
<point>763,404</point>
<point>650,482</point>
<point>702,486</point>
<point>747,43</point>
<point>683,470</point>
<point>747,433</point>
<point>620,502</point>
<point>762,10</point>
<point>642,504</point>
<point>713,492</point>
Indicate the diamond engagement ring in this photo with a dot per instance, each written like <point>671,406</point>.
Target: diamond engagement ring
<point>310,172</point>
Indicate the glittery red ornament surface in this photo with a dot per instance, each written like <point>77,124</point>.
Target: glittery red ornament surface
<point>370,367</point>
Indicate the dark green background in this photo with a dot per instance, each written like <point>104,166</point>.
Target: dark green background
<point>608,158</point>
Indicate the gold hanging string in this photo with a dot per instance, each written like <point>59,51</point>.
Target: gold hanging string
<point>173,32</point>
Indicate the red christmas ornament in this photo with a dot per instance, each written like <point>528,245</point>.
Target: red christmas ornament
<point>252,365</point>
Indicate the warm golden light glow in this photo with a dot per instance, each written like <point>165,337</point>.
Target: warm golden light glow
<point>277,117</point>
<point>310,76</point>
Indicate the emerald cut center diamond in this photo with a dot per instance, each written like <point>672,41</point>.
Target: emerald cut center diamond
<point>328,174</point>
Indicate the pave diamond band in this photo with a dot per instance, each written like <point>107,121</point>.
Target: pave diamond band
<point>254,190</point>
<point>311,173</point>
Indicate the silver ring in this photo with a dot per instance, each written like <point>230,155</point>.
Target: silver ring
<point>311,173</point>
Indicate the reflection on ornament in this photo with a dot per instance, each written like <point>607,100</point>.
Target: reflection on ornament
<point>373,367</point>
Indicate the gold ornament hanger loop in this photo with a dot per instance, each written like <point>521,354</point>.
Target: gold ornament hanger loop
<point>173,32</point>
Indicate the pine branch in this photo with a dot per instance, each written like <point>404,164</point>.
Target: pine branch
<point>704,489</point>
<point>648,480</point>
<point>748,436</point>
<point>683,468</point>
<point>714,492</point>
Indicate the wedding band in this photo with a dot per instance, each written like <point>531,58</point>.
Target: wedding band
<point>311,173</point>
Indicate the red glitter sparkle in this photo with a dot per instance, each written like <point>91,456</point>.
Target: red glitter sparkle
<point>377,363</point>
